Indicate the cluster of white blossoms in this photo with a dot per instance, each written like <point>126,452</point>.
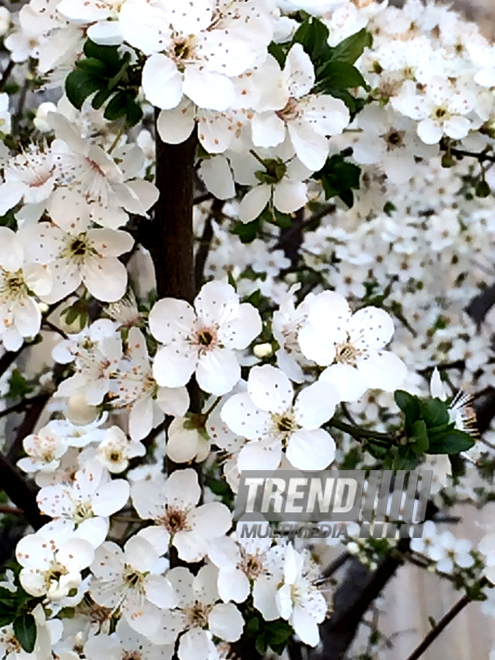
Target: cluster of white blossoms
<point>259,370</point>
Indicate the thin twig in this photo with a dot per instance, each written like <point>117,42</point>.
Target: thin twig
<point>358,432</point>
<point>55,328</point>
<point>441,625</point>
<point>19,407</point>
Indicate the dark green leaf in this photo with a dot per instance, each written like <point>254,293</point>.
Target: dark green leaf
<point>338,178</point>
<point>100,98</point>
<point>339,75</point>
<point>6,618</point>
<point>278,52</point>
<point>419,437</point>
<point>352,48</point>
<point>107,54</point>
<point>248,231</point>
<point>79,85</point>
<point>25,631</point>
<point>116,107</point>
<point>261,644</point>
<point>435,412</point>
<point>313,37</point>
<point>409,405</point>
<point>133,110</point>
<point>93,66</point>
<point>452,443</point>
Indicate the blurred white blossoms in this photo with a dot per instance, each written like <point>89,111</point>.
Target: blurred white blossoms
<point>267,415</point>
<point>203,339</point>
<point>352,344</point>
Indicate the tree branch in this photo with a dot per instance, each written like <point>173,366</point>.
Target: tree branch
<point>441,625</point>
<point>20,493</point>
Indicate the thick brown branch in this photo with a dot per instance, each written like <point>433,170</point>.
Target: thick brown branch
<point>20,493</point>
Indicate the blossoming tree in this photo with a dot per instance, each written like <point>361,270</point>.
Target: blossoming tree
<point>235,235</point>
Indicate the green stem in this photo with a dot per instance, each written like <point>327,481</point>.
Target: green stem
<point>359,433</point>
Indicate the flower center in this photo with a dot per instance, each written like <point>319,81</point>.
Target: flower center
<point>285,424</point>
<point>54,573</point>
<point>77,249</point>
<point>251,566</point>
<point>290,112</point>
<point>132,578</point>
<point>197,614</point>
<point>205,339</point>
<point>174,520</point>
<point>13,285</point>
<point>346,353</point>
<point>83,512</point>
<point>394,139</point>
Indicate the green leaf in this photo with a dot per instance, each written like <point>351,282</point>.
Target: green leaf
<point>452,443</point>
<point>25,631</point>
<point>261,644</point>
<point>419,437</point>
<point>116,107</point>
<point>435,412</point>
<point>134,112</point>
<point>79,85</point>
<point>339,75</point>
<point>93,66</point>
<point>100,98</point>
<point>106,54</point>
<point>339,178</point>
<point>278,52</point>
<point>353,47</point>
<point>247,231</point>
<point>409,405</point>
<point>6,618</point>
<point>313,37</point>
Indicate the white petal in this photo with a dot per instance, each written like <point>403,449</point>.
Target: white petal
<point>218,371</point>
<point>261,455</point>
<point>289,196</point>
<point>299,72</point>
<point>140,554</point>
<point>173,367</point>
<point>254,202</point>
<point>311,450</point>
<point>182,489</point>
<point>305,626</point>
<point>11,252</point>
<point>457,128</point>
<point>106,279</point>
<point>383,370</point>
<point>243,417</point>
<point>268,130</point>
<point>270,389</point>
<point>211,520</point>
<point>311,147</point>
<point>350,383</point>
<point>233,585</point>
<point>111,497</point>
<point>171,318</point>
<point>208,89</point>
<point>217,177</point>
<point>316,404</point>
<point>225,621</point>
<point>194,645</point>
<point>162,82</point>
<point>370,328</point>
<point>160,592</point>
<point>429,132</point>
<point>176,125</point>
